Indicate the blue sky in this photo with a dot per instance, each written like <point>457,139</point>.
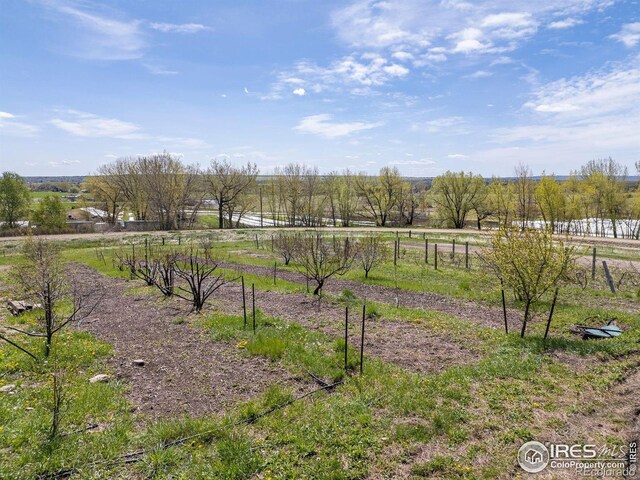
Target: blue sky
<point>424,85</point>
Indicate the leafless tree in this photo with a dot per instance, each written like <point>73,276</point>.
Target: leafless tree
<point>285,244</point>
<point>228,185</point>
<point>320,259</point>
<point>42,279</point>
<point>372,251</point>
<point>525,194</point>
<point>201,278</point>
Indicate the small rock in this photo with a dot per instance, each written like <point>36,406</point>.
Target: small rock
<point>102,378</point>
<point>138,363</point>
<point>29,409</point>
<point>7,388</point>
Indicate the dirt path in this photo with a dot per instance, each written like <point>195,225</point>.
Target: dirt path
<point>470,311</point>
<point>185,372</point>
<point>409,345</point>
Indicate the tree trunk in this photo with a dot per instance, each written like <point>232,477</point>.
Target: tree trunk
<point>220,215</point>
<point>318,288</point>
<point>526,318</point>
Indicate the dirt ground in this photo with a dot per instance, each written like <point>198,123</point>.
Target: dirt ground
<point>471,311</point>
<point>409,345</point>
<point>185,372</point>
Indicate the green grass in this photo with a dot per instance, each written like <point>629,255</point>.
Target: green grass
<point>472,416</point>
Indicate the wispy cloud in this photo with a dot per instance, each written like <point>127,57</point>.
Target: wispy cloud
<point>448,125</point>
<point>159,70</point>
<point>598,111</point>
<point>564,23</point>
<point>84,124</point>
<point>322,125</point>
<point>99,35</point>
<point>10,125</point>
<point>629,35</point>
<point>480,74</point>
<point>179,27</point>
<point>63,163</point>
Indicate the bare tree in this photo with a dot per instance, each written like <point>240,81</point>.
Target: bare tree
<point>320,259</point>
<point>285,244</point>
<point>201,278</point>
<point>42,279</point>
<point>372,251</point>
<point>525,194</point>
<point>408,202</point>
<point>228,184</point>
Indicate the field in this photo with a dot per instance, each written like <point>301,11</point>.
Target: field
<point>443,391</point>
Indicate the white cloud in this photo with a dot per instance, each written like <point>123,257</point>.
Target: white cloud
<point>457,155</point>
<point>450,125</point>
<point>84,124</point>
<point>423,161</point>
<point>12,127</point>
<point>356,73</point>
<point>564,23</point>
<point>415,26</point>
<point>158,70</point>
<point>301,92</point>
<point>321,125</point>
<point>609,91</point>
<point>480,74</point>
<point>99,36</point>
<point>64,163</point>
<point>598,113</point>
<point>402,56</point>
<point>179,27</point>
<point>629,35</point>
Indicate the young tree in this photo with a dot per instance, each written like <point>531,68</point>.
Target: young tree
<point>320,259</point>
<point>50,213</point>
<point>372,251</point>
<point>228,185</point>
<point>42,279</point>
<point>456,194</point>
<point>15,198</point>
<point>530,262</point>
<point>285,244</point>
<point>201,278</point>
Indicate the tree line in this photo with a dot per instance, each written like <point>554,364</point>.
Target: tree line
<point>596,199</point>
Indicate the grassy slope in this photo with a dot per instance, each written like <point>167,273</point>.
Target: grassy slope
<point>371,423</point>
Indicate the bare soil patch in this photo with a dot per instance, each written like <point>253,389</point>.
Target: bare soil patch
<point>410,345</point>
<point>185,372</point>
<point>471,311</point>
